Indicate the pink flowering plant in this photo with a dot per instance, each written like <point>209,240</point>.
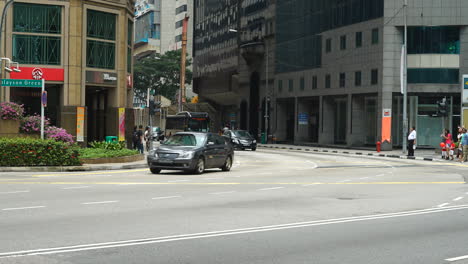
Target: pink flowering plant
<point>11,111</point>
<point>58,134</point>
<point>32,124</point>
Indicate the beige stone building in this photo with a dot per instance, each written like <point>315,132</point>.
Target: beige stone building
<point>83,49</point>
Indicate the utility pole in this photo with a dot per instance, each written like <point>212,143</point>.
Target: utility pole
<point>183,59</point>
<point>405,79</point>
<point>267,93</point>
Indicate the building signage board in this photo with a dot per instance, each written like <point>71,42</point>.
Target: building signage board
<point>386,125</point>
<point>80,121</point>
<point>465,88</point>
<point>303,119</point>
<point>95,77</point>
<point>22,83</point>
<point>33,73</point>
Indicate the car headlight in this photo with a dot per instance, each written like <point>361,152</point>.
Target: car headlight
<point>153,153</point>
<point>186,155</point>
<point>254,141</point>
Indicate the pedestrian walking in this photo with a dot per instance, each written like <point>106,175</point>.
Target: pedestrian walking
<point>448,143</point>
<point>411,142</point>
<point>460,145</point>
<point>135,137</point>
<point>140,139</point>
<point>465,144</point>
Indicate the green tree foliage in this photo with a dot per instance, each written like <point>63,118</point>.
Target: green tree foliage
<point>161,73</point>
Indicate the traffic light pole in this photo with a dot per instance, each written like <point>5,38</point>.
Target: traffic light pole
<point>183,59</point>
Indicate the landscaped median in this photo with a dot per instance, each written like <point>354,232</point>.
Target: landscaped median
<point>43,154</point>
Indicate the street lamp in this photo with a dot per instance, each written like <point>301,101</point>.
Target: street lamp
<point>405,78</point>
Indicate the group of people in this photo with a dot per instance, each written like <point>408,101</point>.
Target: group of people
<point>141,138</point>
<point>450,148</point>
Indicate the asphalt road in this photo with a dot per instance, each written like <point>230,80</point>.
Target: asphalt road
<point>273,207</point>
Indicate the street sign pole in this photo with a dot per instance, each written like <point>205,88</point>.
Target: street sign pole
<point>42,109</point>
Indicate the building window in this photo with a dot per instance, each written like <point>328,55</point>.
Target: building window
<point>100,45</point>
<point>343,42</point>
<point>358,39</point>
<point>178,38</point>
<point>302,84</point>
<point>179,24</point>
<point>180,9</point>
<point>44,47</point>
<point>328,45</point>
<point>375,36</point>
<point>442,76</point>
<point>342,80</point>
<point>434,40</point>
<point>357,78</point>
<point>129,46</point>
<point>314,82</point>
<point>327,81</point>
<point>100,25</point>
<point>291,85</point>
<point>374,76</point>
<point>280,86</point>
<point>35,18</point>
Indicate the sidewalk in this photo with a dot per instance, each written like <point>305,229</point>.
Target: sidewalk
<point>86,167</point>
<point>420,154</point>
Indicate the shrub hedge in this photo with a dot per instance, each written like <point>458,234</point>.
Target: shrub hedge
<point>35,152</point>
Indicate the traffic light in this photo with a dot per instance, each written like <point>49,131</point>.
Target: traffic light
<point>442,107</point>
<point>152,107</point>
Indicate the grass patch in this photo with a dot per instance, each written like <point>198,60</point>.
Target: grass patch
<point>94,153</point>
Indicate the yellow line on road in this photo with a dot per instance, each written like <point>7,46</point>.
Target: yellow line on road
<point>89,173</point>
<point>234,183</point>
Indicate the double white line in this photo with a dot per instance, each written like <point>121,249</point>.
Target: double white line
<point>155,240</point>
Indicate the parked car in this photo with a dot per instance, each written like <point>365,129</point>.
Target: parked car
<point>241,139</point>
<point>192,152</point>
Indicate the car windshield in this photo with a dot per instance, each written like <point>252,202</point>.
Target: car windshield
<point>185,140</point>
<point>242,133</point>
<point>156,129</point>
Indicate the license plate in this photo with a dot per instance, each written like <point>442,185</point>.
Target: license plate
<point>165,161</point>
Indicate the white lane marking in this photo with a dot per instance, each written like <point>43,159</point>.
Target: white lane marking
<point>457,199</point>
<point>23,208</point>
<point>379,175</point>
<point>220,193</point>
<point>457,258</point>
<point>363,178</point>
<point>155,240</point>
<point>165,197</point>
<point>179,181</point>
<point>76,187</point>
<point>265,173</point>
<point>311,184</point>
<point>14,192</point>
<point>102,202</point>
<point>272,188</point>
<point>442,205</point>
<point>211,178</point>
<point>314,165</point>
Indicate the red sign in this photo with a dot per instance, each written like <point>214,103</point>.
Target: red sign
<point>31,73</point>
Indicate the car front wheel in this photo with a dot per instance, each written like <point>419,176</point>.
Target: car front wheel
<point>200,167</point>
<point>227,164</point>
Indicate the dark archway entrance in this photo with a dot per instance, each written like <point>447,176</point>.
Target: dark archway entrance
<point>243,115</point>
<point>254,104</point>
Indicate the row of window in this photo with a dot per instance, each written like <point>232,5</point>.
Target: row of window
<point>342,81</point>
<point>180,9</point>
<point>357,40</point>
<point>44,45</point>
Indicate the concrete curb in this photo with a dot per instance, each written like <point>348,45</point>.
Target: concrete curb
<point>348,152</point>
<point>74,168</point>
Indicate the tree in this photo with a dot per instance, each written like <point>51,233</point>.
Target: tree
<point>160,73</point>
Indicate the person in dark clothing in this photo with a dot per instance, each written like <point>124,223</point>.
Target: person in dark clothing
<point>140,139</point>
<point>135,137</point>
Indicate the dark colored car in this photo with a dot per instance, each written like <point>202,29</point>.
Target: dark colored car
<point>192,152</point>
<point>241,139</point>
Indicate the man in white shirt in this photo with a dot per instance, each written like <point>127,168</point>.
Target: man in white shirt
<point>411,141</point>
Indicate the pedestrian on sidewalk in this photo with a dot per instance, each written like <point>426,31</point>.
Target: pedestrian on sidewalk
<point>412,141</point>
<point>140,139</point>
<point>448,143</point>
<point>464,142</point>
<point>460,145</point>
<point>135,138</point>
